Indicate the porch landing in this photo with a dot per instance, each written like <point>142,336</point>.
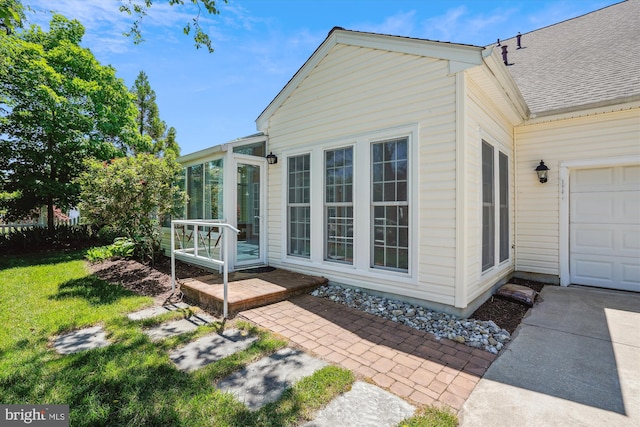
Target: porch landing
<point>248,289</point>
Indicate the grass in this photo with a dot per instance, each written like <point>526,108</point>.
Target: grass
<point>132,381</point>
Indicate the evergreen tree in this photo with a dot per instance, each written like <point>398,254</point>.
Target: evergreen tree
<point>158,140</point>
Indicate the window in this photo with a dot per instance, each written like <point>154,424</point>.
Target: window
<point>299,207</point>
<point>213,190</point>
<point>504,207</point>
<point>195,191</point>
<point>338,205</point>
<point>495,217</point>
<point>257,149</point>
<point>390,205</point>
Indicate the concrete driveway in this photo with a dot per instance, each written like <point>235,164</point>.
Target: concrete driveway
<point>575,361</point>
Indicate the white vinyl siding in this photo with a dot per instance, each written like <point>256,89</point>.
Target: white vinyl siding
<point>368,95</point>
<point>594,138</point>
<point>484,121</point>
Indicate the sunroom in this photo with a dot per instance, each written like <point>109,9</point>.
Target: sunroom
<point>227,184</point>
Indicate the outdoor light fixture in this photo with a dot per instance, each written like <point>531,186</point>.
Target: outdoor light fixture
<point>542,171</point>
<point>272,159</point>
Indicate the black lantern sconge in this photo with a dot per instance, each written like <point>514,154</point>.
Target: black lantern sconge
<point>272,159</point>
<point>542,171</point>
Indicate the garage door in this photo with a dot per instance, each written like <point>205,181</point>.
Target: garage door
<point>604,227</point>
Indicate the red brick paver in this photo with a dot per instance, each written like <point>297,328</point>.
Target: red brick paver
<point>413,364</point>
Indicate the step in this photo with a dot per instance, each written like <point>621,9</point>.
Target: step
<point>210,349</point>
<point>365,405</point>
<point>157,310</point>
<point>265,380</point>
<point>177,327</point>
<point>81,340</point>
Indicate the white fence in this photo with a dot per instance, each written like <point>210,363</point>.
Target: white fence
<point>8,227</point>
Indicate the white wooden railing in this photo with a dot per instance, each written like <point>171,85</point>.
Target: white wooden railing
<point>201,250</point>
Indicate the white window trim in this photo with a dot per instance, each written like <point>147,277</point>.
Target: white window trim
<point>498,147</point>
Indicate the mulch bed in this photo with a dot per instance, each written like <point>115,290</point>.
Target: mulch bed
<point>153,281</point>
<point>506,313</point>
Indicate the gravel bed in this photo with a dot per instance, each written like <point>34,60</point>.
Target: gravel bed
<point>482,334</point>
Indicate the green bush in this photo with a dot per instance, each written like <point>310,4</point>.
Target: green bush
<point>132,195</point>
<point>107,234</point>
<point>121,247</point>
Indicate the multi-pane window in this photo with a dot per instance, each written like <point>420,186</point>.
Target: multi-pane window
<point>390,204</point>
<point>338,204</point>
<point>495,213</point>
<point>298,206</point>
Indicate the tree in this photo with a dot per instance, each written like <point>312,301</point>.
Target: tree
<point>157,139</point>
<point>140,7</point>
<point>11,15</point>
<point>58,106</point>
<point>148,121</point>
<point>170,143</point>
<point>132,194</point>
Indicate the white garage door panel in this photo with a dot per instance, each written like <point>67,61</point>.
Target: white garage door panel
<point>630,274</point>
<point>604,223</point>
<point>592,207</point>
<point>588,238</point>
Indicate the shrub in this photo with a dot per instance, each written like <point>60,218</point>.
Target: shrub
<point>122,247</point>
<point>132,195</point>
<point>39,238</point>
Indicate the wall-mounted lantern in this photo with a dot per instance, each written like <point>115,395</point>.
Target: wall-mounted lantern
<point>542,171</point>
<point>272,159</point>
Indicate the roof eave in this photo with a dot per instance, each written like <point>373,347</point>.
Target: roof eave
<point>495,64</point>
<point>600,107</point>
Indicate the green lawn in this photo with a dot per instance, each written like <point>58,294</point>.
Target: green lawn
<point>131,382</point>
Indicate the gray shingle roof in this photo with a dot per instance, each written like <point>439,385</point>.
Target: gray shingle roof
<point>588,61</point>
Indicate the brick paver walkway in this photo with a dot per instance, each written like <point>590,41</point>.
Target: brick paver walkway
<point>412,364</point>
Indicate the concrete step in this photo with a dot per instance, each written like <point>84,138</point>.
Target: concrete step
<point>210,349</point>
<point>81,340</point>
<point>177,327</point>
<point>148,313</point>
<point>365,405</point>
<point>265,380</point>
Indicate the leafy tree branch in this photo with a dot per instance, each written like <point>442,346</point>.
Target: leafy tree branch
<point>139,9</point>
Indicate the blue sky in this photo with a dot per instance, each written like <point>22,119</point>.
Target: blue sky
<point>259,45</point>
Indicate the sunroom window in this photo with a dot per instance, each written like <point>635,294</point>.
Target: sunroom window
<point>390,205</point>
<point>195,192</point>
